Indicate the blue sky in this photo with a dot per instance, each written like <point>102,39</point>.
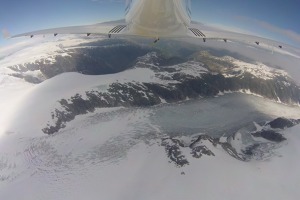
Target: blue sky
<point>276,19</point>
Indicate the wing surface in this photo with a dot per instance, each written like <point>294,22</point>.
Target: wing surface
<point>113,28</point>
<point>207,33</point>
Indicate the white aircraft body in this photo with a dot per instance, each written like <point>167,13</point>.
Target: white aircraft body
<point>156,19</point>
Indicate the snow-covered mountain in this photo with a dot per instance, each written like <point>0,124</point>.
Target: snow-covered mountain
<point>89,118</point>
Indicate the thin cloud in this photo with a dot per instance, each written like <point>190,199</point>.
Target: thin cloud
<point>288,33</point>
<point>284,32</point>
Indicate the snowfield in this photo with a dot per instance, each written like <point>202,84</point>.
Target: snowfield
<point>116,153</point>
<point>30,51</point>
<point>189,149</point>
<point>258,69</point>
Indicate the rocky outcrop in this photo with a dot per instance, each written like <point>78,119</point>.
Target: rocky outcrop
<point>102,57</point>
<point>270,135</point>
<point>173,150</point>
<point>28,78</point>
<point>129,94</point>
<point>282,123</point>
<point>184,72</point>
<point>180,87</point>
<point>270,129</point>
<point>202,145</point>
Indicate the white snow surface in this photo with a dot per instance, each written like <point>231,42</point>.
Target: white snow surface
<point>42,98</point>
<point>258,69</point>
<point>100,158</point>
<point>115,153</point>
<point>45,49</point>
<point>12,91</point>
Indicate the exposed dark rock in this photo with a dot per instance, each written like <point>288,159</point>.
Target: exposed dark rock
<point>149,94</point>
<point>105,57</point>
<point>269,135</point>
<point>200,145</point>
<point>259,151</point>
<point>28,78</point>
<point>198,151</point>
<point>250,150</point>
<point>201,138</point>
<point>117,55</point>
<point>232,151</point>
<point>282,123</point>
<point>215,141</point>
<point>197,148</point>
<point>111,56</point>
<point>172,147</point>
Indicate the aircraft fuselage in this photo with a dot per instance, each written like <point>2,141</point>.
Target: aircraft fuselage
<point>158,18</point>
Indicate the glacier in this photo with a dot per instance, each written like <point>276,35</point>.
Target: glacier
<point>217,144</point>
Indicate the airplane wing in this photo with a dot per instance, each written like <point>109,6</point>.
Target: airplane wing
<point>207,33</point>
<point>195,30</point>
<point>113,28</point>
